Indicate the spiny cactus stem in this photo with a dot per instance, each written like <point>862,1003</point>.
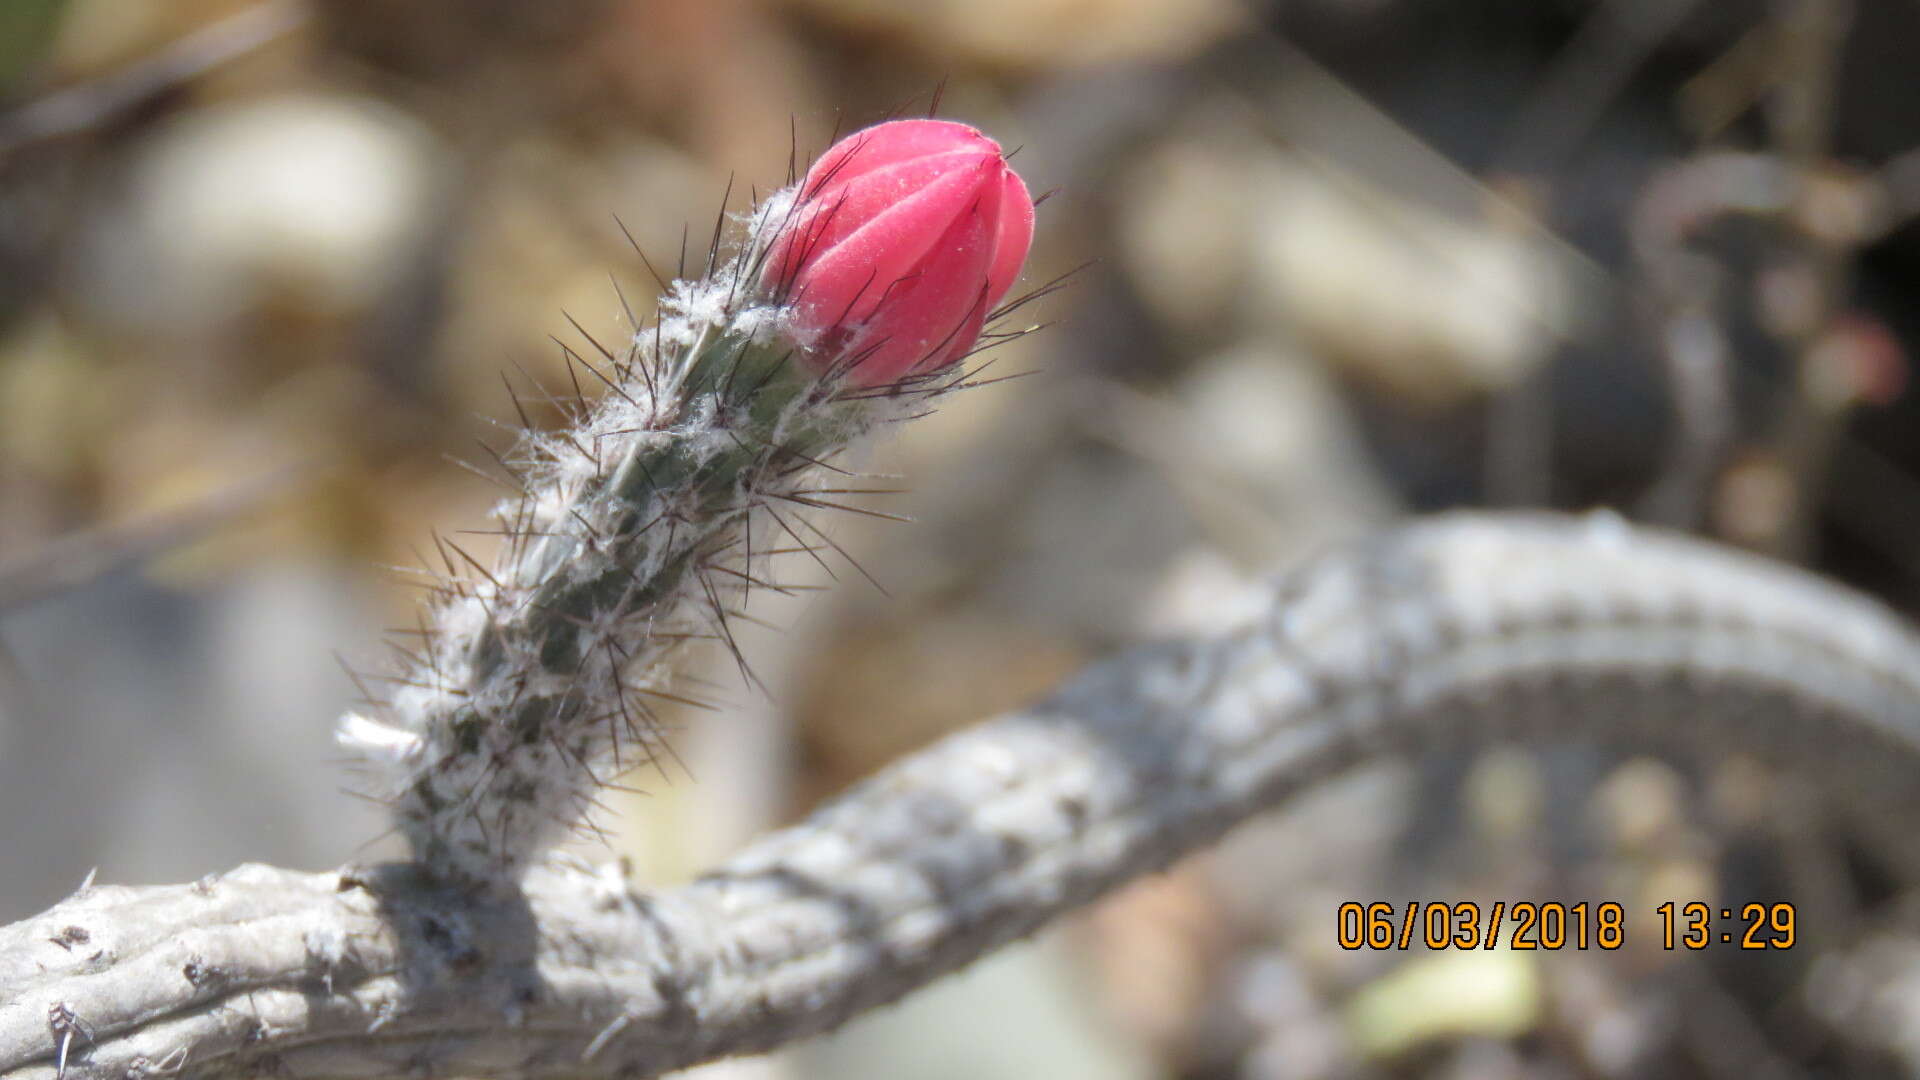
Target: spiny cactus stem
<point>634,529</point>
<point>573,624</point>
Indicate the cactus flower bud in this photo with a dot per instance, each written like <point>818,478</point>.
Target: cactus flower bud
<point>902,240</point>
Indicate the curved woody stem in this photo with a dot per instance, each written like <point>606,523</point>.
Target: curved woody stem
<point>1462,629</point>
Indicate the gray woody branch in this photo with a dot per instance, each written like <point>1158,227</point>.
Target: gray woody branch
<point>1463,628</point>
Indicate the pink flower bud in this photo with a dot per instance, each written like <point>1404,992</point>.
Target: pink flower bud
<point>904,237</point>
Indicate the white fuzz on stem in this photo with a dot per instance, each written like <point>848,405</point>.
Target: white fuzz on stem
<point>533,681</point>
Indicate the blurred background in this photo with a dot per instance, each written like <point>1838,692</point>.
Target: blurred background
<point>263,266</point>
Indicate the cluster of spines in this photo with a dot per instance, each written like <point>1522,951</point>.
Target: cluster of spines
<point>531,684</point>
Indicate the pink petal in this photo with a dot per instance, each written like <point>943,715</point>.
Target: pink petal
<point>842,209</point>
<point>845,284</point>
<point>936,317</point>
<point>1015,236</point>
<point>888,143</point>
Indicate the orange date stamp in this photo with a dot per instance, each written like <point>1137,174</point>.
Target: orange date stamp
<point>1464,924</point>
<point>1553,925</point>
